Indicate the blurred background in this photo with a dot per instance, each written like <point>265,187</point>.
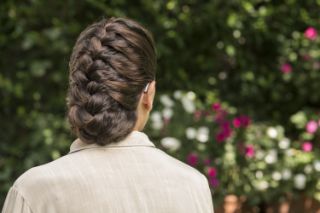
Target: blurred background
<point>237,91</point>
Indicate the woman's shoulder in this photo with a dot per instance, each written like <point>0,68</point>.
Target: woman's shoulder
<point>179,166</point>
<point>40,176</point>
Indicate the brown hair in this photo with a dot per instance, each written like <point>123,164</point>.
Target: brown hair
<point>111,63</point>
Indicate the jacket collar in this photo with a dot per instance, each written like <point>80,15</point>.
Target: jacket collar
<point>135,138</point>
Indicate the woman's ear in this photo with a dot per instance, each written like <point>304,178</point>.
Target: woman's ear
<point>148,96</point>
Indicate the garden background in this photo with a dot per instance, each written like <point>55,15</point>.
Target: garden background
<point>237,89</point>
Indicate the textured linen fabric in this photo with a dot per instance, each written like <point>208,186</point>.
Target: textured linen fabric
<point>129,176</point>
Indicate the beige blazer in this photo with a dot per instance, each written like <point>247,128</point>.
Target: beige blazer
<point>130,176</point>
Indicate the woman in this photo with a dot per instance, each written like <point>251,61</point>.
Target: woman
<point>112,166</point>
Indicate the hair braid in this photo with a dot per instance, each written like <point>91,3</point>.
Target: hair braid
<point>111,63</point>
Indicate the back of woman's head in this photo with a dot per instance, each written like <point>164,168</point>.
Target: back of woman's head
<point>111,63</point>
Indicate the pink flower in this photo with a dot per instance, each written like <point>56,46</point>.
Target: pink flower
<point>236,122</point>
<point>311,33</point>
<point>197,115</point>
<point>226,129</point>
<point>225,132</point>
<point>306,57</point>
<point>241,121</point>
<point>220,116</point>
<point>220,137</point>
<point>212,172</point>
<point>249,151</point>
<point>213,181</point>
<point>286,68</point>
<point>307,146</point>
<point>192,159</point>
<point>207,161</point>
<point>206,113</point>
<point>216,106</point>
<point>311,127</point>
<point>245,120</point>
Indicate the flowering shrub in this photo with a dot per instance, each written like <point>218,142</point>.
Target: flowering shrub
<point>242,59</point>
<point>239,155</point>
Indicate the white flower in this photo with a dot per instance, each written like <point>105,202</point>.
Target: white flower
<point>300,181</point>
<point>203,134</point>
<point>276,176</point>
<point>156,116</point>
<point>167,113</point>
<point>259,174</point>
<point>308,169</point>
<point>222,75</point>
<point>262,185</point>
<point>166,101</point>
<point>230,157</point>
<point>272,132</point>
<point>290,152</point>
<point>157,125</point>
<point>191,133</point>
<point>177,94</point>
<point>260,154</point>
<point>271,157</point>
<point>156,120</point>
<point>316,165</point>
<point>188,104</point>
<point>284,143</point>
<point>170,143</point>
<point>191,95</point>
<point>286,174</point>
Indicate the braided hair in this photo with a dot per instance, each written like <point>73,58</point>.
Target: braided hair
<point>111,63</point>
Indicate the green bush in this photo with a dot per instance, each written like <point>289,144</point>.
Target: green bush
<point>259,58</point>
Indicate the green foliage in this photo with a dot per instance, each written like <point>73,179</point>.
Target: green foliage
<point>221,50</point>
